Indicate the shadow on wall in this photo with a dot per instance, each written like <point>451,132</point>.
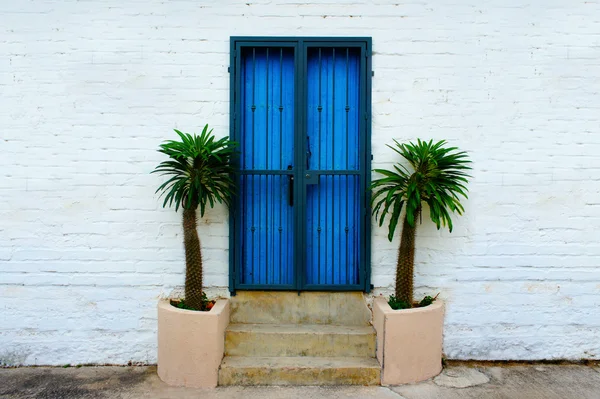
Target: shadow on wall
<point>11,358</point>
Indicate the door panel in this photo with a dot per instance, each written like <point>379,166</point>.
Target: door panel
<point>267,128</point>
<point>333,108</point>
<point>333,231</point>
<point>333,208</point>
<point>267,102</point>
<point>268,234</point>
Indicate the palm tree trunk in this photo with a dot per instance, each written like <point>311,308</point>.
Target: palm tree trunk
<point>193,260</point>
<point>405,268</point>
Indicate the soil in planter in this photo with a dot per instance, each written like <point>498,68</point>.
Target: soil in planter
<point>397,304</point>
<point>206,304</point>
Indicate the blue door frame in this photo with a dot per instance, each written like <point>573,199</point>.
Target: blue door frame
<point>284,233</point>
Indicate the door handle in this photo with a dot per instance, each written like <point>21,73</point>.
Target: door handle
<point>291,188</point>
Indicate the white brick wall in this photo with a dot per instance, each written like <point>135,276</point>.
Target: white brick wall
<point>90,88</point>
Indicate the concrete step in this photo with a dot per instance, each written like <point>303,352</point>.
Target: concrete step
<point>324,340</point>
<point>267,307</point>
<point>250,371</point>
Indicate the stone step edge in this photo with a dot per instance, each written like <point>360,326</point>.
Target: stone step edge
<point>294,371</point>
<point>308,362</point>
<point>320,329</point>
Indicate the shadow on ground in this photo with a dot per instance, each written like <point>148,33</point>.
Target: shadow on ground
<point>64,383</point>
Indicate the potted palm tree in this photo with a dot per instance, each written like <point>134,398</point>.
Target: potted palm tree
<point>409,333</point>
<point>191,330</point>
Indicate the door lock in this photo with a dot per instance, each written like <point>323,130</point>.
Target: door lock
<point>311,178</point>
<point>290,188</point>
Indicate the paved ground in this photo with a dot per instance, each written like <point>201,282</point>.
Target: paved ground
<point>458,381</point>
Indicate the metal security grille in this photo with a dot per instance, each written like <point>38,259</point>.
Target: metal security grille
<point>300,110</point>
<point>266,176</point>
<point>333,163</point>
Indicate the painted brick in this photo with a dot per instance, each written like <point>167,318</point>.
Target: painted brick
<point>89,90</point>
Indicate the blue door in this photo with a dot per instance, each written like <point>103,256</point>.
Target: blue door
<point>300,111</point>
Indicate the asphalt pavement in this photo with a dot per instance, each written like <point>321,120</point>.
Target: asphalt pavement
<point>457,381</point>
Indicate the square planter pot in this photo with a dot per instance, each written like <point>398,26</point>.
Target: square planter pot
<point>191,344</point>
<point>409,342</point>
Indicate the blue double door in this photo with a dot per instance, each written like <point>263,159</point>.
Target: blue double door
<point>300,113</point>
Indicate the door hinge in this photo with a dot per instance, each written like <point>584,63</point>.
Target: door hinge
<point>372,73</point>
<point>228,69</point>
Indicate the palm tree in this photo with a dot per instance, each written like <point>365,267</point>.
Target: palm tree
<point>200,174</point>
<point>438,178</point>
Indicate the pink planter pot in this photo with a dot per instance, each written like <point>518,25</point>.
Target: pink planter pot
<point>191,344</point>
<point>409,342</point>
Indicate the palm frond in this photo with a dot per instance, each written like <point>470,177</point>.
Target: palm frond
<point>199,170</point>
<point>438,177</point>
